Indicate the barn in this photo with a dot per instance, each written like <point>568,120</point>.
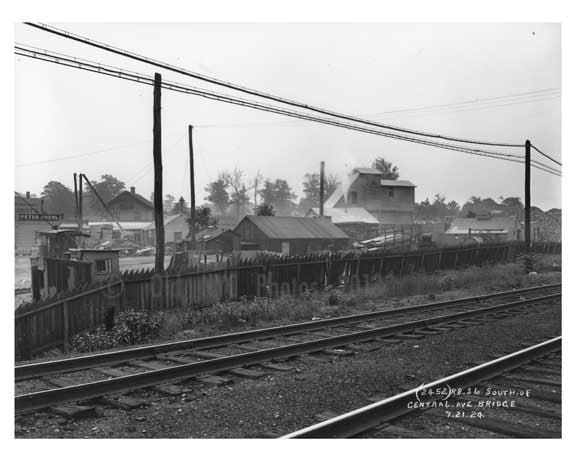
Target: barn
<point>131,207</point>
<point>290,235</point>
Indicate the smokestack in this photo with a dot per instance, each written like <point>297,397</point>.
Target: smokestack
<point>133,189</point>
<point>27,194</point>
<point>321,188</point>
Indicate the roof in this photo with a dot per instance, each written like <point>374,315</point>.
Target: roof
<point>289,227</point>
<point>126,225</point>
<point>395,183</point>
<point>218,235</point>
<point>347,215</point>
<point>364,170</point>
<point>167,220</point>
<point>494,225</point>
<point>134,196</point>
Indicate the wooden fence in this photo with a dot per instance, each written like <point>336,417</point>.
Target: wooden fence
<point>53,322</point>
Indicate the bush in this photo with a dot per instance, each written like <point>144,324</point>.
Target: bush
<point>136,327</point>
<point>96,340</point>
<point>129,328</point>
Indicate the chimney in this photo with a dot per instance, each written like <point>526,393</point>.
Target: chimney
<point>27,194</point>
<point>133,189</point>
<point>321,189</point>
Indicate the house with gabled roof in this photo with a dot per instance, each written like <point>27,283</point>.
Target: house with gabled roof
<point>129,206</point>
<point>389,201</point>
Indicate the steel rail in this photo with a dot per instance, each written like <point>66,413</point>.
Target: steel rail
<point>362,419</point>
<point>42,399</point>
<point>34,370</point>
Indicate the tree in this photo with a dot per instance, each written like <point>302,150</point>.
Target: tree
<point>265,210</point>
<point>58,199</point>
<point>388,170</point>
<point>256,181</point>
<point>438,209</point>
<point>180,207</point>
<point>218,192</point>
<point>453,208</point>
<point>239,196</point>
<point>203,218</point>
<point>278,194</point>
<point>168,202</point>
<point>107,188</point>
<point>311,189</point>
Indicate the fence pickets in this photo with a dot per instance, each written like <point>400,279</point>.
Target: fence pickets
<point>51,324</point>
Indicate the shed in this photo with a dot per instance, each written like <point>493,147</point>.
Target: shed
<point>104,262</point>
<point>226,241</point>
<point>290,235</point>
<point>490,228</point>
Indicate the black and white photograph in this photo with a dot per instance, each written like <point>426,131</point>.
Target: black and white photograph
<point>287,230</point>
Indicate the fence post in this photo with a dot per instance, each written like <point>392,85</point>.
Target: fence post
<point>66,322</point>
<point>298,270</point>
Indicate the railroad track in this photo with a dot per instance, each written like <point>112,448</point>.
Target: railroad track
<point>46,384</point>
<point>517,395</point>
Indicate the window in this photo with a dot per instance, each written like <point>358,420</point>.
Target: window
<point>177,236</point>
<point>353,197</point>
<point>390,192</point>
<point>103,265</point>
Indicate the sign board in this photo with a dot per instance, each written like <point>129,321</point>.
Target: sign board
<point>39,217</point>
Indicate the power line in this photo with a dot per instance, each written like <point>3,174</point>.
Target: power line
<point>252,92</point>
<point>110,149</point>
<point>139,78</point>
<point>528,94</point>
<point>547,156</point>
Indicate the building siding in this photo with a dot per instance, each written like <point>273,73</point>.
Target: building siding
<point>389,204</point>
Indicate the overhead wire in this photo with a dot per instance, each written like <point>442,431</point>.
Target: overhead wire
<point>545,155</point>
<point>140,78</point>
<point>236,87</point>
<point>527,94</point>
<point>86,154</point>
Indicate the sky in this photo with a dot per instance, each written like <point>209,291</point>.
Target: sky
<point>509,76</point>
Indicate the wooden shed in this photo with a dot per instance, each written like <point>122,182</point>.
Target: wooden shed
<point>290,235</point>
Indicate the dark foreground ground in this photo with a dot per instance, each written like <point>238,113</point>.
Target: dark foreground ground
<point>285,401</point>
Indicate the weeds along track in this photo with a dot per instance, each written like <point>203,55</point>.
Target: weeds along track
<point>46,384</point>
<point>515,396</point>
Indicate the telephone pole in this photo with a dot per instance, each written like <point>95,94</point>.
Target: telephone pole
<point>192,192</point>
<point>76,207</point>
<point>157,152</point>
<point>80,205</point>
<point>527,200</point>
<point>321,188</point>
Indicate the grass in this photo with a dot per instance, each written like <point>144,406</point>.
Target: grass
<point>265,312</point>
<point>262,312</point>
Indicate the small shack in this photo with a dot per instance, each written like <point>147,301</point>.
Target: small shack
<point>489,228</point>
<point>103,262</point>
<point>290,235</point>
<point>224,242</point>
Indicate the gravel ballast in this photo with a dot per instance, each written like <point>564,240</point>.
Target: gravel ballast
<point>282,402</point>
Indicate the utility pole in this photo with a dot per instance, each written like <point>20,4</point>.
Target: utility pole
<point>527,203</point>
<point>76,207</point>
<point>192,193</point>
<point>321,188</point>
<point>80,224</point>
<point>157,152</point>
